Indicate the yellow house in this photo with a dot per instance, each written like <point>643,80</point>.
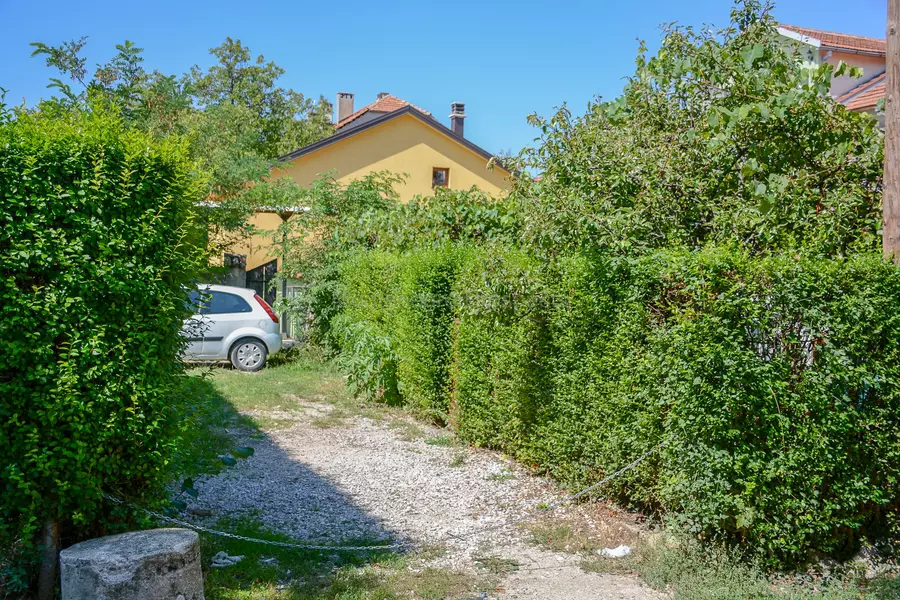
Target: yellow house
<point>389,134</point>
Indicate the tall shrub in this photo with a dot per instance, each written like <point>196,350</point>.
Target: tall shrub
<point>778,379</point>
<point>773,380</point>
<point>722,135</point>
<point>362,329</point>
<point>97,248</point>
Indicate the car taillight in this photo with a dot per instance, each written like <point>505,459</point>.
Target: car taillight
<point>266,308</point>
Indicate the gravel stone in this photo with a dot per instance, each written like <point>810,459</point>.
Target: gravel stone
<point>360,482</point>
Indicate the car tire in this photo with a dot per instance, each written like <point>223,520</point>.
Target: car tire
<point>248,354</point>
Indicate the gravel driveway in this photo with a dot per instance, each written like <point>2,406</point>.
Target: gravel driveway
<point>369,479</point>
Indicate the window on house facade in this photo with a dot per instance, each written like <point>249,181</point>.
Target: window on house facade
<point>440,177</point>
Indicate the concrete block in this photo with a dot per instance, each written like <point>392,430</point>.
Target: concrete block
<point>157,564</point>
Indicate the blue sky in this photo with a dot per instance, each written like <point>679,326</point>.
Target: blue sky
<point>504,59</point>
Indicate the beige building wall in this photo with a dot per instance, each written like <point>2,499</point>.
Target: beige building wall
<point>259,248</point>
<point>404,145</point>
<point>871,66</point>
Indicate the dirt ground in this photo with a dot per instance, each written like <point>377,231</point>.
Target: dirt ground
<point>322,474</point>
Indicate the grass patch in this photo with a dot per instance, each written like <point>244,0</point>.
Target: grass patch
<point>504,475</point>
<point>497,565</point>
<point>440,440</point>
<point>273,573</point>
<point>291,386</point>
<point>694,572</point>
<point>335,418</point>
<point>271,423</point>
<point>562,537</point>
<point>400,584</point>
<point>689,571</point>
<point>407,430</point>
<point>459,458</point>
<point>212,421</point>
<point>277,388</point>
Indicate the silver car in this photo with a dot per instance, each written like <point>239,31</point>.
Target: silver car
<point>233,324</point>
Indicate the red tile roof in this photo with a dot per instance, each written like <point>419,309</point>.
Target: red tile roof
<point>865,95</point>
<point>842,41</point>
<point>384,104</point>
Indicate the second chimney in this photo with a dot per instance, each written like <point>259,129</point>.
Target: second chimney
<point>457,116</point>
<point>344,105</point>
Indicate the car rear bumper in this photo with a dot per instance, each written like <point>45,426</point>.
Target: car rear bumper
<point>273,342</point>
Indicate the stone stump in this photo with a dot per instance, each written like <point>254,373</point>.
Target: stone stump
<point>157,564</point>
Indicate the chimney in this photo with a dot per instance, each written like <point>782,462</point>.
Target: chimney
<point>344,105</point>
<point>457,115</point>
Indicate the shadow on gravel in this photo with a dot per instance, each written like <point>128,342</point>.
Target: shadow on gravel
<point>270,496</point>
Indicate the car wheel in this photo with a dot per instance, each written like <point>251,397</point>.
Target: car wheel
<point>248,355</point>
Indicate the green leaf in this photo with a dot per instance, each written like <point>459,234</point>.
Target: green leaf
<point>227,460</point>
<point>752,54</point>
<point>243,452</point>
<point>179,504</point>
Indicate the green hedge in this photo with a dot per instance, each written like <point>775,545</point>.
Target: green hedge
<point>781,384</point>
<point>774,380</point>
<point>422,325</point>
<point>361,326</point>
<point>499,350</point>
<point>395,319</point>
<point>97,246</point>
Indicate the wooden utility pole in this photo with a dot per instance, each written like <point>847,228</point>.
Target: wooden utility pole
<point>891,200</point>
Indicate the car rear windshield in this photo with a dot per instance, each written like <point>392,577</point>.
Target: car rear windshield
<point>222,302</point>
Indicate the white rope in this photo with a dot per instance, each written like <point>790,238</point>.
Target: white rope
<point>244,538</point>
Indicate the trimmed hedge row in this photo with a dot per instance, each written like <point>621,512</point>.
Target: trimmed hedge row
<point>98,246</point>
<point>774,379</point>
<point>395,320</point>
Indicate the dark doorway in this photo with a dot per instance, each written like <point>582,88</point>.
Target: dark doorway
<point>260,280</point>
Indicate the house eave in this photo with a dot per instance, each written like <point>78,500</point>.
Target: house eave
<point>799,37</point>
<point>843,50</point>
<point>816,43</point>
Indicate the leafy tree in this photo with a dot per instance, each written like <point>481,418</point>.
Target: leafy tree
<point>285,119</point>
<point>237,118</point>
<point>311,243</point>
<point>314,235</point>
<point>67,59</point>
<point>123,79</point>
<point>448,217</point>
<point>720,136</point>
